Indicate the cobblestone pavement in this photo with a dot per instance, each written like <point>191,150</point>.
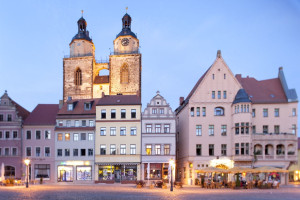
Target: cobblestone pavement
<point>128,192</point>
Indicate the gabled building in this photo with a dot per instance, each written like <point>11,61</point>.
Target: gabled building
<point>158,139</point>
<point>12,115</point>
<point>74,141</point>
<point>228,121</point>
<point>39,142</point>
<point>118,139</point>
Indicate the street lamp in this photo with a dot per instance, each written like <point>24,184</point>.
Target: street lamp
<point>171,163</point>
<point>27,161</point>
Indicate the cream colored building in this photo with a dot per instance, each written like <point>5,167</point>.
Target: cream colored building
<point>229,120</point>
<point>118,139</point>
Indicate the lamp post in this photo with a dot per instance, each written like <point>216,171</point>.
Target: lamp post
<point>27,161</point>
<point>171,162</point>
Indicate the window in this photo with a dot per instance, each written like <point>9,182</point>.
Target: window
<point>294,111</point>
<point>253,112</point>
<point>83,123</point>
<point>9,118</point>
<point>113,131</point>
<point>213,76</point>
<point>102,149</point>
<point>192,111</point>
<point>157,149</point>
<point>67,136</point>
<point>78,77</point>
<point>59,137</point>
<point>123,149</point>
<point>198,130</point>
<point>247,108</point>
<point>1,134</point>
<point>102,131</point>
<point>242,148</point>
<point>0,151</point>
<point>213,94</point>
<point>166,149</point>
<point>123,113</point>
<point>123,131</point>
<point>7,133</point>
<point>242,106</point>
<point>59,152</point>
<point>82,152</point>
<point>14,151</point>
<point>265,112</point>
<point>211,130</point>
<point>242,128</point>
<point>148,128</point>
<point>75,152</point>
<point>91,123</point>
<point>132,149</point>
<point>253,129</point>
<point>161,111</point>
<point>237,148</point>
<point>198,111</point>
<point>223,149</point>
<point>67,152</point>
<point>198,149</point>
<point>6,151</point>
<point>219,111</point>
<point>70,106</point>
<point>42,171</point>
<point>167,128</point>
<point>224,76</point>
<point>265,129</point>
<point>83,136</point>
<point>148,149</point>
<point>90,136</point>
<point>211,150</point>
<point>157,128</point>
<point>112,149</point>
<point>132,131</point>
<point>276,112</point>
<point>113,113</point>
<point>37,151</point>
<point>204,111</point>
<point>294,129</point>
<point>68,123</point>
<point>154,111</point>
<point>124,74</point>
<point>47,151</point>
<point>247,128</point>
<point>133,113</point>
<point>219,94</point>
<point>90,152</point>
<point>47,135</point>
<point>15,134</point>
<point>224,94</point>
<point>76,137</point>
<point>237,109</point>
<point>237,128</point>
<point>1,118</point>
<point>60,123</point>
<point>87,106</point>
<point>76,123</point>
<point>103,114</point>
<point>28,151</point>
<point>247,148</point>
<point>276,129</point>
<point>223,130</point>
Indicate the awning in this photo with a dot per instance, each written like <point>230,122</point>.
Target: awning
<point>117,163</point>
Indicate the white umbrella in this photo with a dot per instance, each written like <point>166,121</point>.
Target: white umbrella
<point>2,171</point>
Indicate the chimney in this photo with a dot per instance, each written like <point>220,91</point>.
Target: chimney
<point>238,76</point>
<point>181,99</point>
<point>69,98</point>
<point>219,54</point>
<point>102,95</point>
<point>61,103</point>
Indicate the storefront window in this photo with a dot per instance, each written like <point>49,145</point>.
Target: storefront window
<point>118,172</point>
<point>155,171</point>
<point>84,173</point>
<point>42,171</point>
<point>106,172</point>
<point>65,173</point>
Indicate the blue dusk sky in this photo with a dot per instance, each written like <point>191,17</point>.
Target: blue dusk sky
<point>179,41</point>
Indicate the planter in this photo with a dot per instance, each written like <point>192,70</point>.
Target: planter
<point>139,186</point>
<point>164,187</point>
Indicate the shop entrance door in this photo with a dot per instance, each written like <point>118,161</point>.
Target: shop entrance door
<point>117,176</point>
<point>62,176</point>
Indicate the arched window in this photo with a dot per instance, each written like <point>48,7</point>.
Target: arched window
<point>280,149</point>
<point>219,111</point>
<point>78,77</point>
<point>124,74</point>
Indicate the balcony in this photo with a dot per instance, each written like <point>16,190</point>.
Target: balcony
<point>124,52</point>
<point>272,136</point>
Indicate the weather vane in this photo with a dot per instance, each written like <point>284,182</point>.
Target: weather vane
<point>126,9</point>
<point>81,13</point>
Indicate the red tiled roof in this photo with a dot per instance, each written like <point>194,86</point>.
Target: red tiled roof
<point>101,79</point>
<point>120,100</point>
<point>22,112</point>
<point>78,107</point>
<point>265,91</point>
<point>43,114</point>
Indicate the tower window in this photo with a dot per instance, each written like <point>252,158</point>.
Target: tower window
<point>78,77</point>
<point>124,74</point>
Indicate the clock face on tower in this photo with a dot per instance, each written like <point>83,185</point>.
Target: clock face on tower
<point>125,41</point>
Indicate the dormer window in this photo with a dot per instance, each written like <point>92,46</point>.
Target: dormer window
<point>87,106</point>
<point>70,106</point>
<point>219,111</point>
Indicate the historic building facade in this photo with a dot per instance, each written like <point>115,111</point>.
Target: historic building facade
<point>39,142</point>
<point>229,120</point>
<point>118,139</point>
<point>75,141</point>
<point>158,139</point>
<point>12,116</point>
<point>82,72</point>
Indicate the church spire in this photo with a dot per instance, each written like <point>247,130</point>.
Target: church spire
<point>82,31</point>
<point>126,26</point>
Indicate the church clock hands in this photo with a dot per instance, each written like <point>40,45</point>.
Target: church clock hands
<point>125,41</point>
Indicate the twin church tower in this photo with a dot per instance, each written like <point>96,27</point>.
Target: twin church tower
<point>81,71</point>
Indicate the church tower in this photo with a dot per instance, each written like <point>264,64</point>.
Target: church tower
<point>125,62</point>
<point>78,66</point>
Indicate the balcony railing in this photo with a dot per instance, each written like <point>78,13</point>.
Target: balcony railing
<point>78,55</point>
<point>124,52</point>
